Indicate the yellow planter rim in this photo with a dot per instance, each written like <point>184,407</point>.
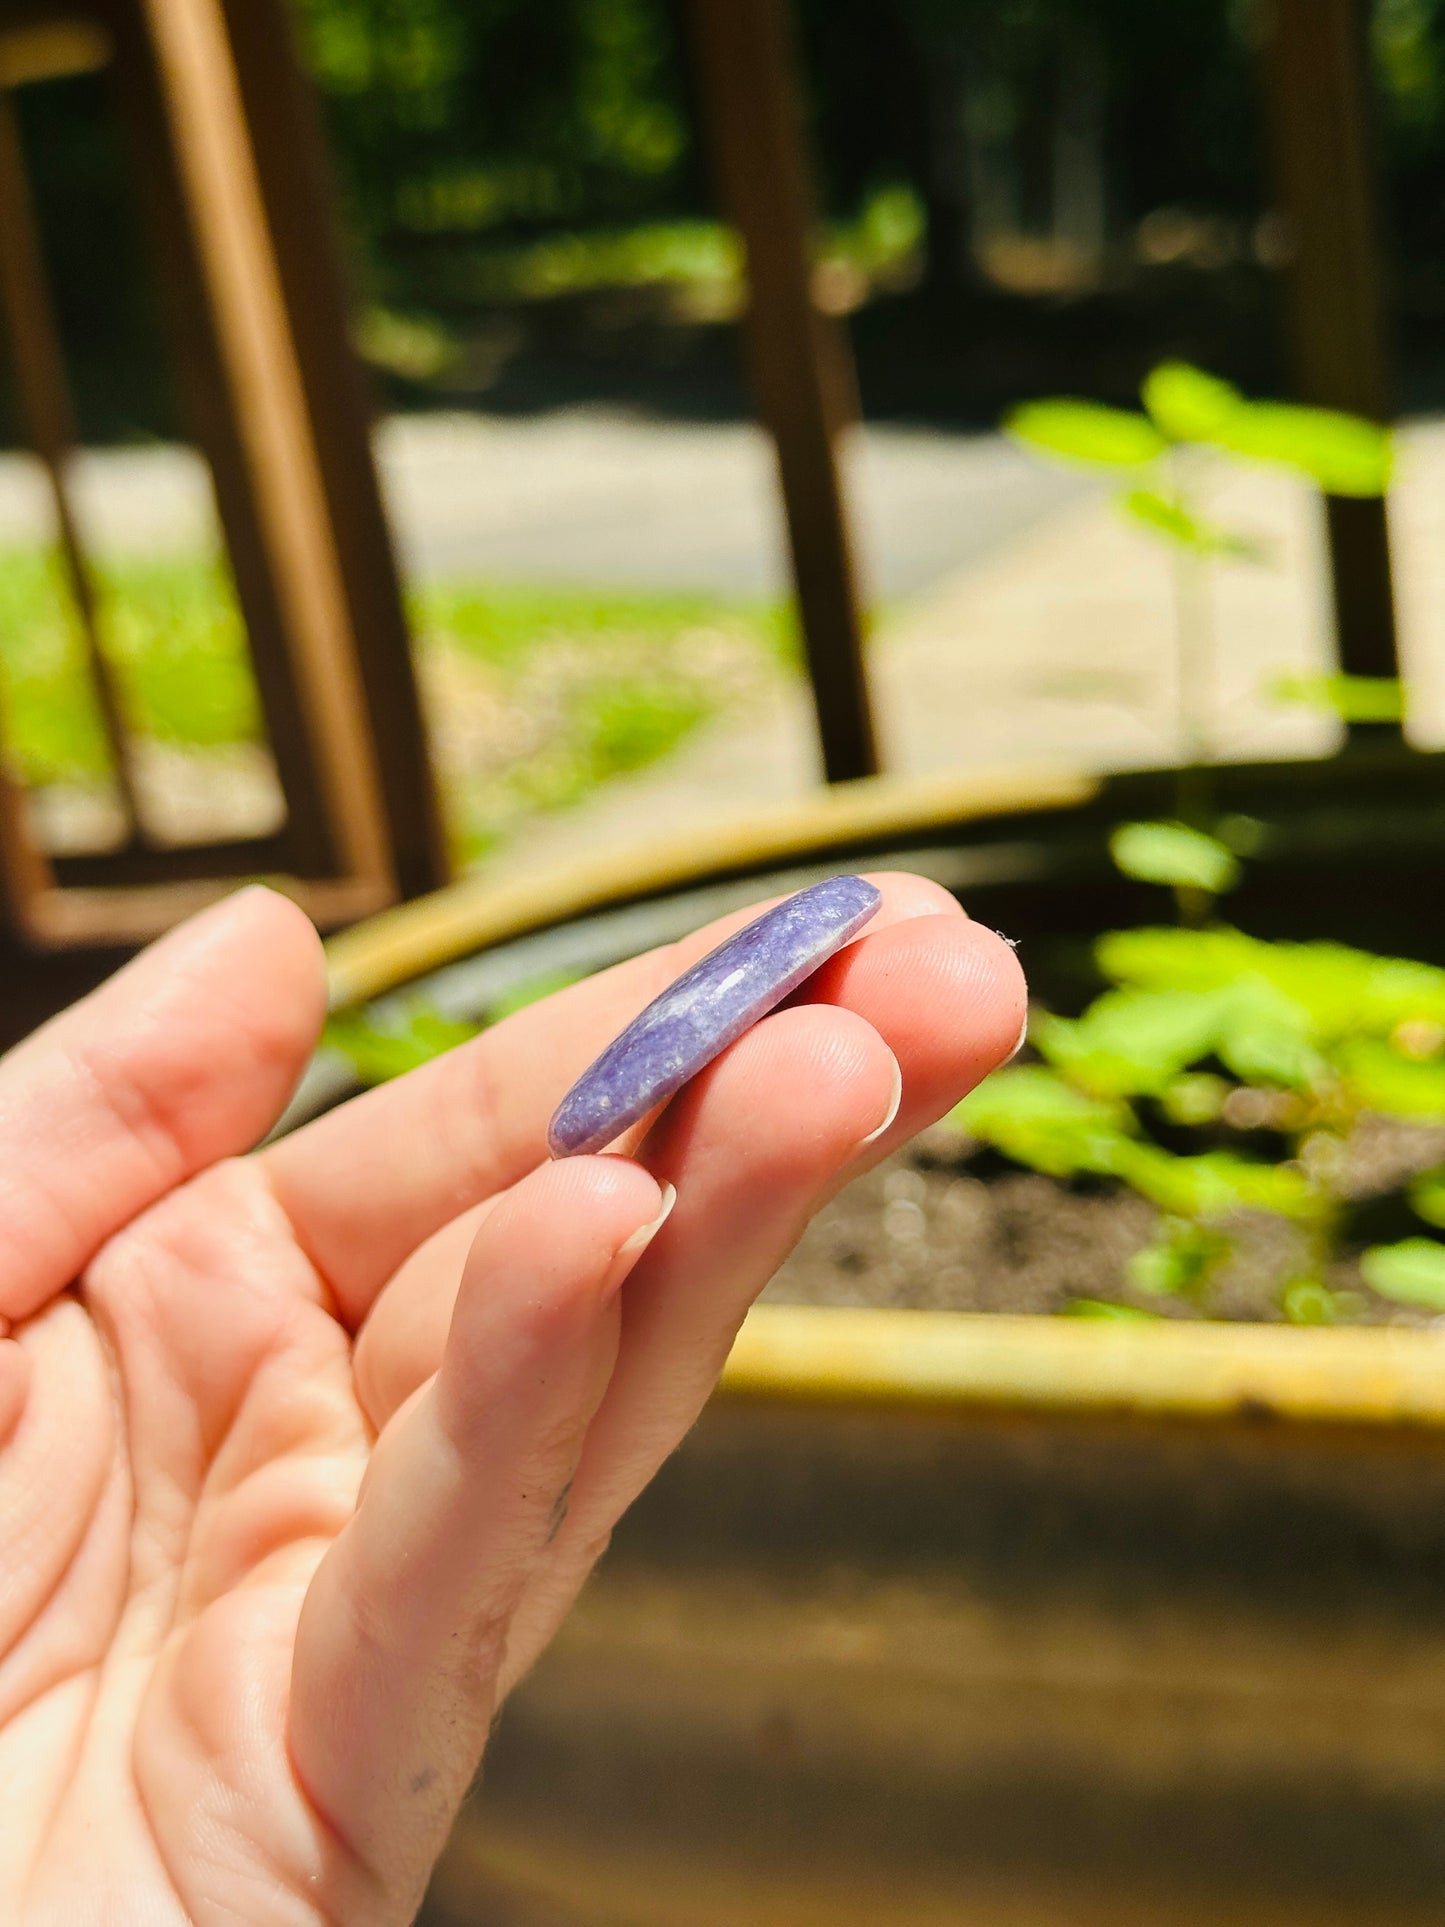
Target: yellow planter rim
<point>399,945</point>
<point>1172,1369</point>
<point>1379,1377</point>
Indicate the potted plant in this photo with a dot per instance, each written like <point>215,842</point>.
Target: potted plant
<point>1129,1617</point>
<point>948,1617</point>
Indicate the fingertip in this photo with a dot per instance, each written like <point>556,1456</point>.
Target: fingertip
<point>907,895</point>
<point>1002,990</point>
<point>809,1082</point>
<point>254,907</point>
<point>615,1194</point>
<point>552,1246</point>
<point>946,994</point>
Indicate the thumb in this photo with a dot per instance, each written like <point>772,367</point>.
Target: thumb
<point>404,1627</point>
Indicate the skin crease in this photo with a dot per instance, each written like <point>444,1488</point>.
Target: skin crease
<point>285,1435</point>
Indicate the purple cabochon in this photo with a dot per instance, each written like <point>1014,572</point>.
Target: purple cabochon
<point>706,1008</point>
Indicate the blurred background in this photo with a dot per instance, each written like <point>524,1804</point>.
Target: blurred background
<point>1013,200</point>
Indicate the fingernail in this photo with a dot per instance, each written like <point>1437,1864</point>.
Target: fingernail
<point>893,1103</point>
<point>1023,1039</point>
<point>645,1233</point>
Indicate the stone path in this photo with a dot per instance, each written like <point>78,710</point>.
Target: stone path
<point>1024,620</point>
<point>597,498</point>
<point>1058,648</point>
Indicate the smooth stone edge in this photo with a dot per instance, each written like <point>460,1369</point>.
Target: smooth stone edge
<point>601,1137</point>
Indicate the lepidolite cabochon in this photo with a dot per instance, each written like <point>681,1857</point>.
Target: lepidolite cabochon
<point>706,1008</point>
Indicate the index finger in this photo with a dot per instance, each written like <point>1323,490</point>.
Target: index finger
<point>185,1056</point>
<point>366,1184</point>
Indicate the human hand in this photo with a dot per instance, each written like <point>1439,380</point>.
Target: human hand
<point>305,1453</point>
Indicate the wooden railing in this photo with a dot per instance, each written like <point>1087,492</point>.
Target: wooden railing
<point>229,165</point>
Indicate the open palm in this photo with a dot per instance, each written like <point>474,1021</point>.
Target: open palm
<point>305,1452</point>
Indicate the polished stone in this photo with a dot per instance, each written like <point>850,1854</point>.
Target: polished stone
<point>700,1014</point>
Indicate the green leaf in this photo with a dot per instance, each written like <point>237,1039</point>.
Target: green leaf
<point>1354,699</point>
<point>1427,1197</point>
<point>1161,516</point>
<point>1245,835</point>
<point>532,991</point>
<point>1195,1099</point>
<point>1267,1037</point>
<point>1188,405</point>
<point>1344,454</point>
<point>1411,1273</point>
<point>1346,992</point>
<point>1101,1308</point>
<point>1214,1185</point>
<point>381,1048</point>
<point>1132,1042</point>
<point>1306,1301</point>
<point>1175,854</point>
<point>1182,1259</point>
<point>1086,432</point>
<point>1383,1079</point>
<point>1032,1116</point>
<point>1168,958</point>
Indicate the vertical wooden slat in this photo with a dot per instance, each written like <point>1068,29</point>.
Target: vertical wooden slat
<point>25,874</point>
<point>295,183</point>
<point>307,846</point>
<point>1316,71</point>
<point>45,409</point>
<point>217,168</point>
<point>800,368</point>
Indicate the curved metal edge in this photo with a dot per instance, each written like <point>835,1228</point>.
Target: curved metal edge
<point>1173,1369</point>
<point>402,944</point>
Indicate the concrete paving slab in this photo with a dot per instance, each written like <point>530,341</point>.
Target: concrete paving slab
<point>596,498</point>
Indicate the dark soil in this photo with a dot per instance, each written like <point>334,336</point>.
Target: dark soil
<point>940,1227</point>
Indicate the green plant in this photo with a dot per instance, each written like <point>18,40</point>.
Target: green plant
<point>380,1045</point>
<point>1159,457</point>
<point>1206,1043</point>
<point>540,694</point>
<point>382,1041</point>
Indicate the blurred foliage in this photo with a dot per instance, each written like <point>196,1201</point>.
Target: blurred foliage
<point>581,688</point>
<point>382,1041</point>
<point>1354,699</point>
<point>1220,1075</point>
<point>538,695</point>
<point>500,115</point>
<point>1176,854</point>
<point>174,634</point>
<point>1340,454</point>
<point>509,151</point>
<point>503,118</point>
<point>1189,416</point>
<point>382,1046</point>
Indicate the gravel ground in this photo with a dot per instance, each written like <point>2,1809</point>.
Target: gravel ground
<point>939,1227</point>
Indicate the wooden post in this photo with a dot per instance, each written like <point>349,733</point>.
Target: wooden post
<point>217,170</point>
<point>45,408</point>
<point>294,176</point>
<point>1317,82</point>
<point>800,368</point>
